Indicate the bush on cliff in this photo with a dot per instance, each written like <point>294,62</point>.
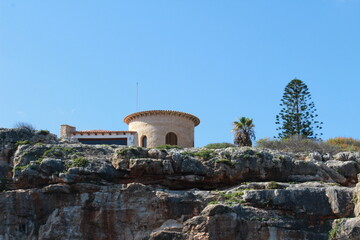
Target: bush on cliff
<point>345,144</point>
<point>25,125</point>
<point>167,146</point>
<point>219,145</point>
<point>205,154</point>
<point>297,144</point>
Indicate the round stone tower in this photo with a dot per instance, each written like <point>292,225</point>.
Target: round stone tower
<point>159,127</point>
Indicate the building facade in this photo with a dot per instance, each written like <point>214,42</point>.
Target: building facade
<point>146,129</point>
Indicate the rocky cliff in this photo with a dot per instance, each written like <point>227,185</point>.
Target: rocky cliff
<point>53,190</point>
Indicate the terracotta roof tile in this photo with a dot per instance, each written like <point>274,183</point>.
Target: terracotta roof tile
<point>133,116</point>
<point>101,131</point>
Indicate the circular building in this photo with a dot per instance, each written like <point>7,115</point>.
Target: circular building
<point>159,127</point>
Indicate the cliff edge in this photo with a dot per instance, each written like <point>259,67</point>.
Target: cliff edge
<point>53,190</point>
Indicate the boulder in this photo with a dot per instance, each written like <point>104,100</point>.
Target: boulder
<point>345,229</point>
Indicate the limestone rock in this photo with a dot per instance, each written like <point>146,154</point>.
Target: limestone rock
<point>315,156</point>
<point>348,169</point>
<point>167,235</point>
<point>346,156</point>
<point>345,229</point>
<point>12,138</point>
<point>77,191</point>
<point>174,168</point>
<point>83,211</point>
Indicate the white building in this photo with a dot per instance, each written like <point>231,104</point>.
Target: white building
<point>146,129</point>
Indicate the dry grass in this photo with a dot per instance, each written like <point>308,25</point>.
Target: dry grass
<point>345,144</point>
<point>298,144</point>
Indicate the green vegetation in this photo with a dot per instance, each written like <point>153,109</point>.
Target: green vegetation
<point>226,161</point>
<point>20,168</point>
<point>167,146</point>
<point>244,132</point>
<point>298,113</point>
<point>219,145</point>
<point>355,198</point>
<point>127,151</point>
<point>188,153</point>
<point>80,162</point>
<point>205,154</point>
<point>247,157</point>
<point>24,142</point>
<point>272,185</point>
<point>335,229</point>
<point>345,144</point>
<point>44,132</point>
<point>233,197</point>
<point>230,198</point>
<point>57,152</point>
<point>77,162</point>
<point>259,154</point>
<point>38,161</point>
<point>297,144</point>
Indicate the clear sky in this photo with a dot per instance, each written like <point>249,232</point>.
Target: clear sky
<point>78,62</point>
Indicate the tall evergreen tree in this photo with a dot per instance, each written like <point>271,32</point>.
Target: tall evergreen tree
<point>298,113</point>
<point>244,132</point>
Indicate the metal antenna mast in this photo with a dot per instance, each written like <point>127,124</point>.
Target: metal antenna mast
<point>137,96</point>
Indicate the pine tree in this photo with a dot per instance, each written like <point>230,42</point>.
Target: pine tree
<point>298,113</point>
<point>244,132</point>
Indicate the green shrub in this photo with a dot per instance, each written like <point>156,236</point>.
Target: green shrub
<point>127,151</point>
<point>80,162</point>
<point>226,161</point>
<point>233,197</point>
<point>44,132</point>
<point>205,154</point>
<point>77,162</point>
<point>167,146</point>
<point>57,152</point>
<point>188,153</point>
<point>297,144</point>
<point>219,145</point>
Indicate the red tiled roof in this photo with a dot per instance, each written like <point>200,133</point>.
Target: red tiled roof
<point>133,116</point>
<point>101,131</point>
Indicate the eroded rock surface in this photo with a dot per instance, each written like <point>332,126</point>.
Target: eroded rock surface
<point>87,211</point>
<point>38,165</point>
<point>75,191</point>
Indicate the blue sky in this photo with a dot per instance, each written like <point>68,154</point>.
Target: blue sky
<point>78,62</point>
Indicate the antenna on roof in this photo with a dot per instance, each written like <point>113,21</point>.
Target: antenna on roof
<point>137,96</point>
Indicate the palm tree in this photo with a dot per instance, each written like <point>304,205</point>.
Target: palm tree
<point>244,132</point>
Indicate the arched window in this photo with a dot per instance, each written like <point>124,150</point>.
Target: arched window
<point>144,141</point>
<point>171,139</point>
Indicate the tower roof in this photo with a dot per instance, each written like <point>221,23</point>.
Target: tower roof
<point>133,116</point>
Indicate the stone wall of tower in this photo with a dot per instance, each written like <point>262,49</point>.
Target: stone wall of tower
<point>66,130</point>
<point>156,127</point>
